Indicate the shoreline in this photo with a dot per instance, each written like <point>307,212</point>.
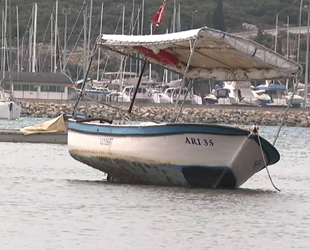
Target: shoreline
<point>207,114</point>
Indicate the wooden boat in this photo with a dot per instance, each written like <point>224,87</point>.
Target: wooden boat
<point>195,155</point>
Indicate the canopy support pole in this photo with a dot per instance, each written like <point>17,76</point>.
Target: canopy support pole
<point>192,46</point>
<point>136,90</point>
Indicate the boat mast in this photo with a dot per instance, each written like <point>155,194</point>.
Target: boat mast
<point>85,40</point>
<point>2,41</point>
<point>89,27</point>
<point>150,64</point>
<point>10,51</point>
<point>30,42</point>
<point>142,27</point>
<point>34,55</point>
<point>276,35</point>
<point>100,32</point>
<point>287,44</point>
<point>138,63</point>
<point>132,31</point>
<point>52,36</point>
<point>300,16</point>
<point>17,41</point>
<point>5,40</point>
<point>64,56</point>
<point>121,76</point>
<point>307,60</point>
<point>142,18</point>
<point>179,18</point>
<point>174,16</point>
<point>56,32</point>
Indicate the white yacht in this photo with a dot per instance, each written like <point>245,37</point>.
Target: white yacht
<point>172,94</point>
<point>8,108</point>
<point>234,93</point>
<point>144,94</point>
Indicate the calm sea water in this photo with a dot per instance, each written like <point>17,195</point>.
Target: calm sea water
<point>50,201</point>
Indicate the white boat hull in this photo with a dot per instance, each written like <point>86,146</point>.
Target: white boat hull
<point>174,154</point>
<point>9,110</point>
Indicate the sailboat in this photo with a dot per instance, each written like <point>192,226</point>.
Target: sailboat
<point>8,108</point>
<point>174,153</point>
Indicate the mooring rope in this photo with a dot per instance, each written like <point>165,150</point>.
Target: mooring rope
<point>265,163</point>
<point>278,133</point>
<point>286,112</point>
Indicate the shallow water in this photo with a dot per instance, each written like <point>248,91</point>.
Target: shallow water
<point>50,201</point>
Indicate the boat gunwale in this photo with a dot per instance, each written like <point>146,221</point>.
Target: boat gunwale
<point>156,129</point>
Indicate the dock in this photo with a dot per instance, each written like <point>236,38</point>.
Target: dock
<point>15,135</point>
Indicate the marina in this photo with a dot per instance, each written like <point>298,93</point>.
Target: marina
<point>122,131</point>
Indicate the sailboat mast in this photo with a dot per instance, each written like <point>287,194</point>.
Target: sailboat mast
<point>10,50</point>
<point>55,41</point>
<point>307,59</point>
<point>85,40</point>
<point>132,31</point>
<point>132,17</point>
<point>174,16</point>
<point>150,65</point>
<point>300,16</point>
<point>276,35</point>
<point>288,37</point>
<point>142,27</point>
<point>138,63</point>
<point>17,41</point>
<point>179,18</point>
<point>122,57</point>
<point>30,41</point>
<point>287,45</point>
<point>100,32</point>
<point>34,54</point>
<point>4,40</point>
<point>64,56</point>
<point>52,36</point>
<point>89,28</point>
<point>142,18</point>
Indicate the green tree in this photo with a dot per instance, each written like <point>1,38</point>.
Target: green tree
<point>218,16</point>
<point>260,37</point>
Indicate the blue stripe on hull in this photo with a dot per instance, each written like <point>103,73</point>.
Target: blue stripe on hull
<point>133,172</point>
<point>156,130</point>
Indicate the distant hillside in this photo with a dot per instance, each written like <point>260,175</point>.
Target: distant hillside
<point>258,12</point>
<point>238,14</point>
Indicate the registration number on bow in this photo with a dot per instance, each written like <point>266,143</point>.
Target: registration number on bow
<point>199,142</point>
<point>106,141</point>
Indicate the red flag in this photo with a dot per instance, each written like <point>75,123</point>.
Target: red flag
<point>159,16</point>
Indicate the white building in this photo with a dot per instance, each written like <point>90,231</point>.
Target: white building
<point>40,86</point>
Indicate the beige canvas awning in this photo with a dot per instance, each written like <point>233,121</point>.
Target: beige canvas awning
<point>217,55</point>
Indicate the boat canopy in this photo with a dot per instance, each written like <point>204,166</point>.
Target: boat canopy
<point>216,55</point>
